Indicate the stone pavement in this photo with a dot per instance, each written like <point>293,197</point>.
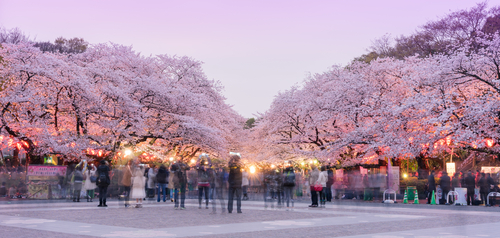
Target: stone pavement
<point>340,219</point>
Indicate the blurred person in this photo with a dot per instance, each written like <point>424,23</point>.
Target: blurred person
<point>137,191</point>
<point>313,177</point>
<point>12,192</point>
<point>203,178</point>
<point>77,183</point>
<point>89,186</point>
<point>162,182</point>
<point>244,184</point>
<point>445,184</point>
<point>322,179</point>
<point>431,186</point>
<point>455,181</point>
<point>3,190</point>
<point>358,185</point>
<point>234,181</point>
<point>484,188</point>
<point>103,182</point>
<point>329,184</point>
<point>470,184</point>
<point>493,187</point>
<point>272,180</point>
<point>180,182</point>
<point>288,186</point>
<point>151,181</point>
<point>219,190</point>
<point>126,182</point>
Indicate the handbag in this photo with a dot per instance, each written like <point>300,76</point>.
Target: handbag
<point>318,188</point>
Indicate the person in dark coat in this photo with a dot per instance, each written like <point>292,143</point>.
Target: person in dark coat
<point>492,184</point>
<point>484,188</point>
<point>431,186</point>
<point>445,186</point>
<point>470,184</point>
<point>162,181</point>
<point>234,180</point>
<point>103,182</point>
<point>329,184</point>
<point>455,181</point>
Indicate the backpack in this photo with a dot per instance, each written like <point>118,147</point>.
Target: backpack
<point>203,176</point>
<point>289,179</point>
<point>102,179</point>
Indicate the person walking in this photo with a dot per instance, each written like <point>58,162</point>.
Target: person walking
<point>322,179</point>
<point>77,183</point>
<point>103,182</point>
<point>90,185</point>
<point>126,182</point>
<point>313,177</point>
<point>288,186</point>
<point>470,184</point>
<point>235,180</point>
<point>431,186</point>
<point>329,184</point>
<point>203,178</point>
<point>162,182</point>
<point>138,181</point>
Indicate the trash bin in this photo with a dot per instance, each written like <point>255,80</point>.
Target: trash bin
<point>410,191</point>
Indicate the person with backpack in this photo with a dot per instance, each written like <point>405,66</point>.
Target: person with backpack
<point>89,184</point>
<point>234,180</point>
<point>203,178</point>
<point>161,178</point>
<point>103,182</point>
<point>288,185</point>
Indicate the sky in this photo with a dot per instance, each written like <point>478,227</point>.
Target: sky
<point>254,48</point>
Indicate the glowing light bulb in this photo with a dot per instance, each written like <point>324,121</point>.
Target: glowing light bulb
<point>252,169</point>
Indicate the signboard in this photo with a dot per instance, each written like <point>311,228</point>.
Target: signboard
<point>40,172</point>
<point>462,196</point>
<point>450,169</point>
<point>492,170</point>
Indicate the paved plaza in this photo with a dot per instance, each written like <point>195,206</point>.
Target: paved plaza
<point>340,219</point>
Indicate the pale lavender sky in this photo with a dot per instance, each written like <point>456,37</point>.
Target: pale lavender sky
<point>255,48</point>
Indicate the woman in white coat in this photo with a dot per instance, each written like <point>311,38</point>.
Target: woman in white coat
<point>322,179</point>
<point>138,182</point>
<point>90,186</point>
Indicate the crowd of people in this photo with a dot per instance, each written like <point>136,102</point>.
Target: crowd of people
<point>485,182</point>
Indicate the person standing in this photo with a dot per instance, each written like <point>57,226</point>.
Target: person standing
<point>180,182</point>
<point>288,185</point>
<point>313,177</point>
<point>445,184</point>
<point>322,180</point>
<point>126,182</point>
<point>77,183</point>
<point>329,184</point>
<point>431,186</point>
<point>220,187</point>
<point>103,182</point>
<point>151,181</point>
<point>484,188</point>
<point>235,180</point>
<point>90,186</point>
<point>203,178</point>
<point>138,192</point>
<point>470,184</point>
<point>162,182</point>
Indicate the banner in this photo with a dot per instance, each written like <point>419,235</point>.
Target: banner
<point>41,170</point>
<point>490,169</point>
